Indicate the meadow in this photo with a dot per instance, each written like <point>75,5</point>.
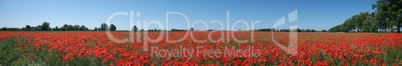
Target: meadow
<point>96,49</point>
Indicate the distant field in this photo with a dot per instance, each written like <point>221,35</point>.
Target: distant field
<point>96,48</point>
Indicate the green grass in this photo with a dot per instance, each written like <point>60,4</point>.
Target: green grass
<point>12,52</point>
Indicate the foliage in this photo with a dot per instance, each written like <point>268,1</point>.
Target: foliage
<point>112,27</point>
<point>388,16</point>
<point>104,27</point>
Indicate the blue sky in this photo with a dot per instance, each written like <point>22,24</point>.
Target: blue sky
<point>312,14</point>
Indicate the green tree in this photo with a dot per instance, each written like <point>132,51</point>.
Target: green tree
<point>388,16</point>
<point>83,28</point>
<point>112,27</point>
<point>3,29</point>
<point>64,27</point>
<point>387,12</point>
<point>28,27</point>
<point>76,27</point>
<point>45,26</point>
<point>135,29</point>
<point>104,27</point>
<point>70,27</point>
<point>369,24</point>
<point>96,29</point>
<point>56,29</point>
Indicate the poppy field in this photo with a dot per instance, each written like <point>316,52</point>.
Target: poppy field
<point>200,48</point>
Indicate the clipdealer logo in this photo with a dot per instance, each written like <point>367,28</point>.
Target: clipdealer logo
<point>226,36</point>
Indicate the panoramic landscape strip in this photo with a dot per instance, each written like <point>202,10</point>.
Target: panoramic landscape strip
<point>200,33</point>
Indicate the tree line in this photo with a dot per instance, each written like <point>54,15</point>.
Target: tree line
<point>288,30</point>
<point>45,26</point>
<point>66,27</point>
<point>386,18</point>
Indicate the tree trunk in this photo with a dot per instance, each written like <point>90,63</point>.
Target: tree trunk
<point>398,27</point>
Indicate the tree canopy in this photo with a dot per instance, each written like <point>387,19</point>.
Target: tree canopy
<point>386,18</point>
<point>45,26</point>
